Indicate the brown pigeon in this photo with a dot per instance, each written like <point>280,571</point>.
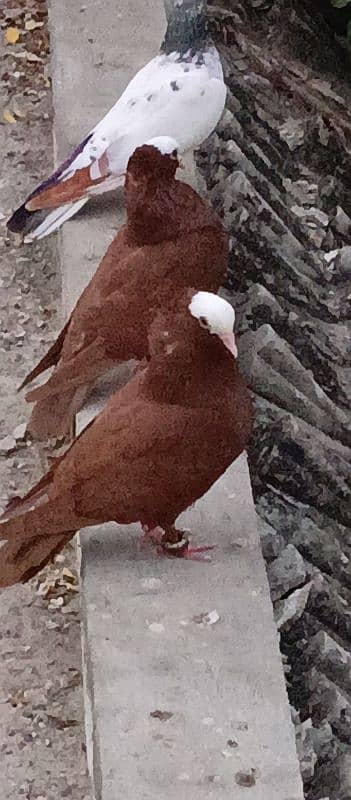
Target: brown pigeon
<point>172,240</point>
<point>158,445</point>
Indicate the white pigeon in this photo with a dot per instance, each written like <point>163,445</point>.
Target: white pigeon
<point>180,93</point>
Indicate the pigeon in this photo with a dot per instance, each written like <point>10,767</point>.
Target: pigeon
<point>157,446</point>
<point>179,93</point>
<point>172,239</point>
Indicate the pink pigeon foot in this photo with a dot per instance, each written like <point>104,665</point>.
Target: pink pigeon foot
<point>175,544</point>
<point>199,553</point>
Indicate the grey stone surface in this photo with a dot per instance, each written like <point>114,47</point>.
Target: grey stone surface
<point>323,741</point>
<point>289,610</point>
<point>286,572</point>
<point>305,749</point>
<point>144,652</point>
<point>336,780</point>
<point>331,658</point>
<point>275,373</point>
<point>301,461</point>
<point>148,648</point>
<point>328,702</point>
<point>272,543</point>
<point>325,551</point>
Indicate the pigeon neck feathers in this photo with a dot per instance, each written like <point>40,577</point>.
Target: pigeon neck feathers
<point>202,369</point>
<point>160,210</point>
<point>186,32</point>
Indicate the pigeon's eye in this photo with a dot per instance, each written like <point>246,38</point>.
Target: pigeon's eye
<point>174,154</point>
<point>203,322</point>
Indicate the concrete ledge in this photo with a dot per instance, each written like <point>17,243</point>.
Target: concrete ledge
<point>148,651</point>
<point>227,731</point>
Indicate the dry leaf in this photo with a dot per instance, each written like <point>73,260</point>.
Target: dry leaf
<point>163,716</point>
<point>17,112</point>
<point>31,24</point>
<point>33,57</point>
<point>247,779</point>
<point>8,117</point>
<point>12,35</point>
<point>207,618</point>
<point>28,56</point>
<point>66,573</point>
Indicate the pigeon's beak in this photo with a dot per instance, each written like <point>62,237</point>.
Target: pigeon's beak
<point>228,340</point>
<point>181,164</point>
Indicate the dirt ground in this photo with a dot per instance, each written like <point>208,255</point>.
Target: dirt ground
<point>42,750</point>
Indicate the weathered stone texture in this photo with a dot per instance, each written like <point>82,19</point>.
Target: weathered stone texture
<point>278,171</point>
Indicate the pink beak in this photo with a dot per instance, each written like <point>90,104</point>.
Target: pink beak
<point>228,340</point>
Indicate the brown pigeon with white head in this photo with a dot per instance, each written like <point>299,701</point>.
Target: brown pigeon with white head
<point>158,445</point>
<point>172,239</point>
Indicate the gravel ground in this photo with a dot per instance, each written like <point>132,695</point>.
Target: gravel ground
<point>42,751</point>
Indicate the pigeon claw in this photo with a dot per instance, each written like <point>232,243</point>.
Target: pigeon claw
<point>173,543</point>
<point>199,553</point>
<point>175,549</point>
<point>183,549</point>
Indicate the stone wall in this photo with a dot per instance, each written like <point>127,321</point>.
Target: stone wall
<point>279,170</point>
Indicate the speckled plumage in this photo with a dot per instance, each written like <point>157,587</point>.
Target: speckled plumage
<point>172,240</point>
<point>158,445</point>
<point>179,93</point>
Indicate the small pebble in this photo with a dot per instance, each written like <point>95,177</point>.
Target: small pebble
<point>20,432</point>
<point>247,779</point>
<point>156,627</point>
<point>7,445</point>
<point>184,776</point>
<point>151,583</point>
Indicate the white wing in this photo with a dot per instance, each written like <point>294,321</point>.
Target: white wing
<point>182,99</point>
<point>168,97</point>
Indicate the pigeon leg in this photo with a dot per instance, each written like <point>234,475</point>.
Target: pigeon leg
<point>175,544</point>
<point>152,534</point>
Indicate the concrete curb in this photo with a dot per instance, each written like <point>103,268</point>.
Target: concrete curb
<point>175,707</point>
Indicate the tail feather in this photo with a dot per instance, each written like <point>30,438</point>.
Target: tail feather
<point>66,191</point>
<point>53,416</point>
<point>19,505</point>
<point>24,221</point>
<point>49,360</point>
<point>32,531</point>
<point>37,224</point>
<point>23,557</point>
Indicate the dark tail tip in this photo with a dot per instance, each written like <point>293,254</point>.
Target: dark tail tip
<point>23,221</point>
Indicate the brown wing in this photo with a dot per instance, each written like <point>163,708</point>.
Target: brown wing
<point>110,321</point>
<point>137,461</point>
<point>65,191</point>
<point>116,252</point>
<point>19,505</point>
<point>49,360</point>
